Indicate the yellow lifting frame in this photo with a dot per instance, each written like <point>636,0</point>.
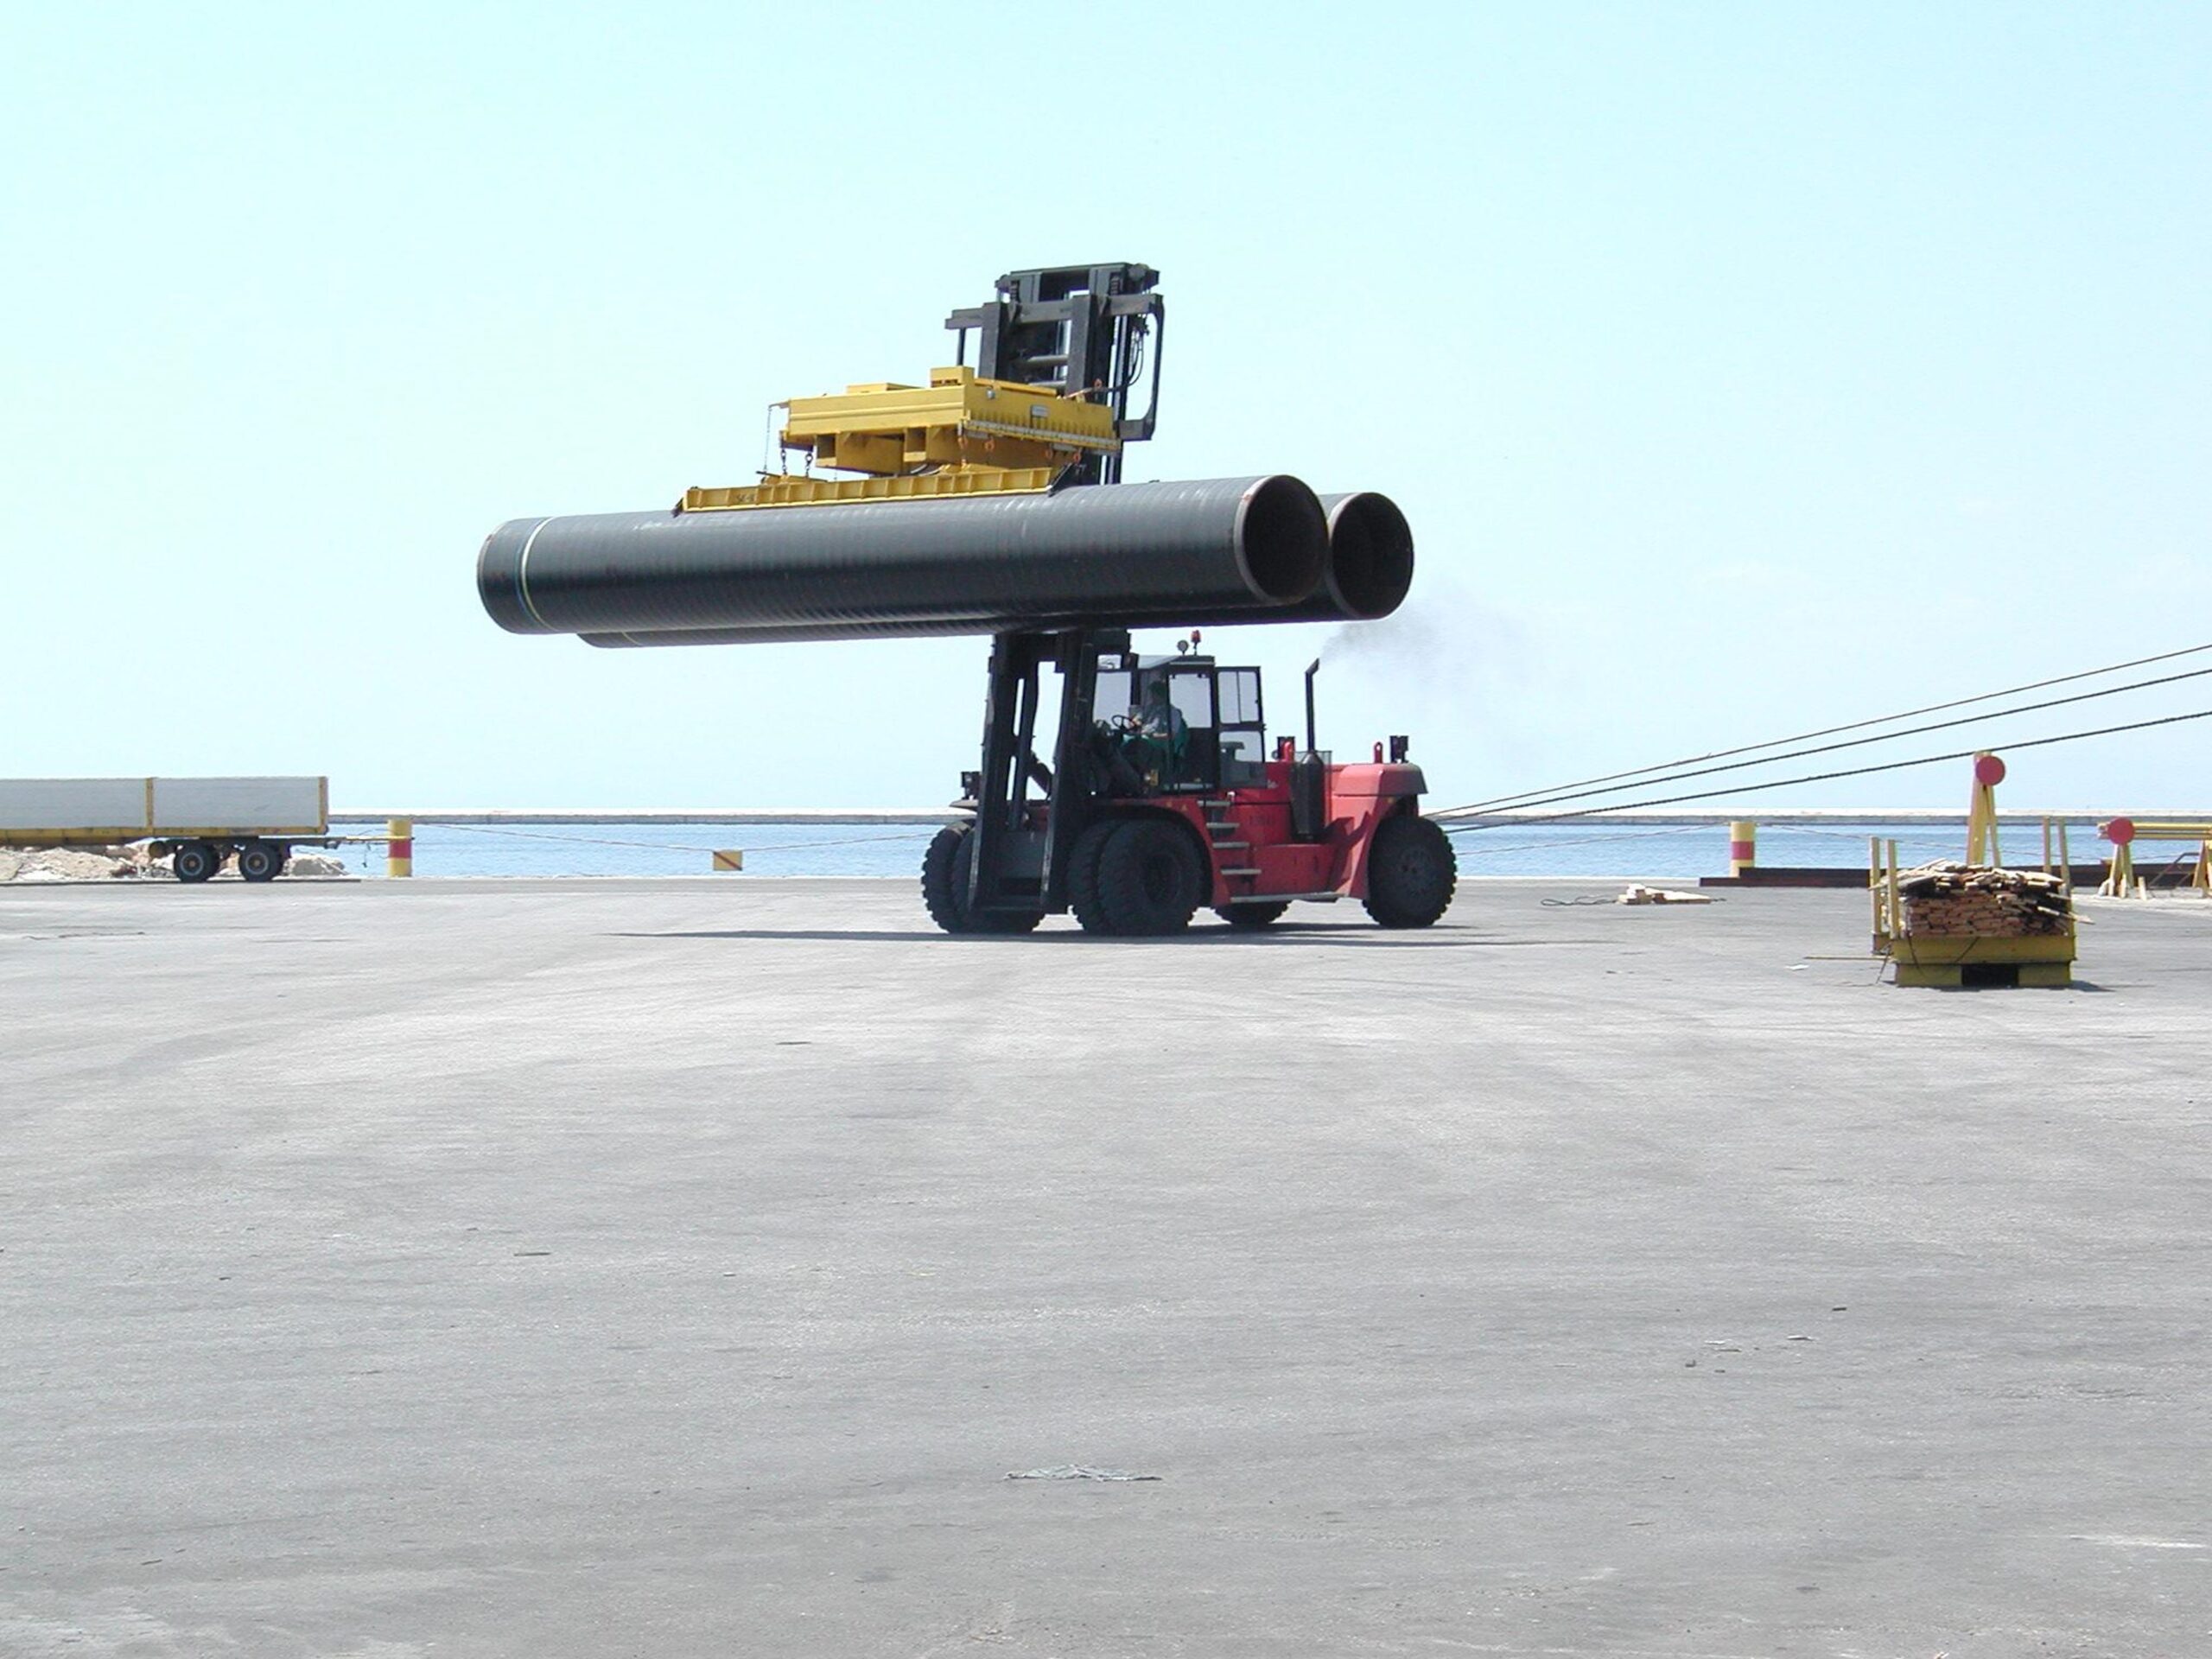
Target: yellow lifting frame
<point>958,419</point>
<point>959,435</point>
<point>796,490</point>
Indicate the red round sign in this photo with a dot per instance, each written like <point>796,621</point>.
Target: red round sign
<point>2120,831</point>
<point>1988,769</point>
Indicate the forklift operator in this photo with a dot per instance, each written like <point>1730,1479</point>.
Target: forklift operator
<point>1145,748</point>
<point>1162,737</point>
<point>1163,722</point>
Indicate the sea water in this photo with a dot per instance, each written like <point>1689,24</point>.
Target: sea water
<point>1674,851</point>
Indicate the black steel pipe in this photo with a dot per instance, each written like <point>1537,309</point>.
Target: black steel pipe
<point>1368,572</point>
<point>1079,557</point>
<point>1368,569</point>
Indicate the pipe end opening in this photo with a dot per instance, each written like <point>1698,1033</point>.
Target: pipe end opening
<point>1370,555</point>
<point>1282,539</point>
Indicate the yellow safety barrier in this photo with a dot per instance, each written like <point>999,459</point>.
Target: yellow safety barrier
<point>1981,812</point>
<point>399,847</point>
<point>2123,833</point>
<point>2054,839</point>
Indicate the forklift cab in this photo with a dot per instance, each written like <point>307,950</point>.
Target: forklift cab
<point>1182,723</point>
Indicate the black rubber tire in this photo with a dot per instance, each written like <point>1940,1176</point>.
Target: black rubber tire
<point>1251,917</point>
<point>194,861</point>
<point>1150,877</point>
<point>1083,874</point>
<point>261,861</point>
<point>944,887</point>
<point>1412,872</point>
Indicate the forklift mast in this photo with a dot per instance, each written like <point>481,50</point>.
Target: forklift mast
<point>1078,331</point>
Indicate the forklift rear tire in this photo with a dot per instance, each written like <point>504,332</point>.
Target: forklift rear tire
<point>1252,916</point>
<point>261,860</point>
<point>1412,872</point>
<point>195,861</point>
<point>944,887</point>
<point>1149,878</point>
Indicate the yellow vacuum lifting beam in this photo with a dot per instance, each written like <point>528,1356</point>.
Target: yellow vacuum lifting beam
<point>799,490</point>
<point>961,434</point>
<point>958,419</point>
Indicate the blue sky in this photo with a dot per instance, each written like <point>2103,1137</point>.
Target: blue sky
<point>1742,369</point>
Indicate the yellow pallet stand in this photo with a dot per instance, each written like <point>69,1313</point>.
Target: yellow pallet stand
<point>1949,960</point>
<point>1940,960</point>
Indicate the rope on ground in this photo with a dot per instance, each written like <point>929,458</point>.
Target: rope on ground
<point>1582,899</point>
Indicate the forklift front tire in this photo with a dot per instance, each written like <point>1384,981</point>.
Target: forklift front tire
<point>1149,877</point>
<point>944,887</point>
<point>1083,874</point>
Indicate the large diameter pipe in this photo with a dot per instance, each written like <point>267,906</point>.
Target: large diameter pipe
<point>1368,572</point>
<point>1370,567</point>
<point>1082,556</point>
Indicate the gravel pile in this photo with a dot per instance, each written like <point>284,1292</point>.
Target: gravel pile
<point>36,864</point>
<point>61,864</point>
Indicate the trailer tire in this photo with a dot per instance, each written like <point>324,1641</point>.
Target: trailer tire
<point>945,866</point>
<point>262,860</point>
<point>195,861</point>
<point>1149,878</point>
<point>1083,874</point>
<point>1251,917</point>
<point>1412,872</point>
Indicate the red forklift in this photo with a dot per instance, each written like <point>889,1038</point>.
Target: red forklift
<point>1165,797</point>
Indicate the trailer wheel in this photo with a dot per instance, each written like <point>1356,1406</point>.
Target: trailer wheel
<point>1412,872</point>
<point>945,866</point>
<point>261,861</point>
<point>1149,878</point>
<point>1251,917</point>
<point>195,861</point>
<point>1083,874</point>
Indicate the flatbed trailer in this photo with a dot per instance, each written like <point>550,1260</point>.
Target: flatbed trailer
<point>198,823</point>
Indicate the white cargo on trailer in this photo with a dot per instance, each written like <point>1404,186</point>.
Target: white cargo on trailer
<point>36,811</point>
<point>265,806</point>
<point>39,811</point>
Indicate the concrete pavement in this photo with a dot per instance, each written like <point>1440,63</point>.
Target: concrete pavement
<point>680,1267</point>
